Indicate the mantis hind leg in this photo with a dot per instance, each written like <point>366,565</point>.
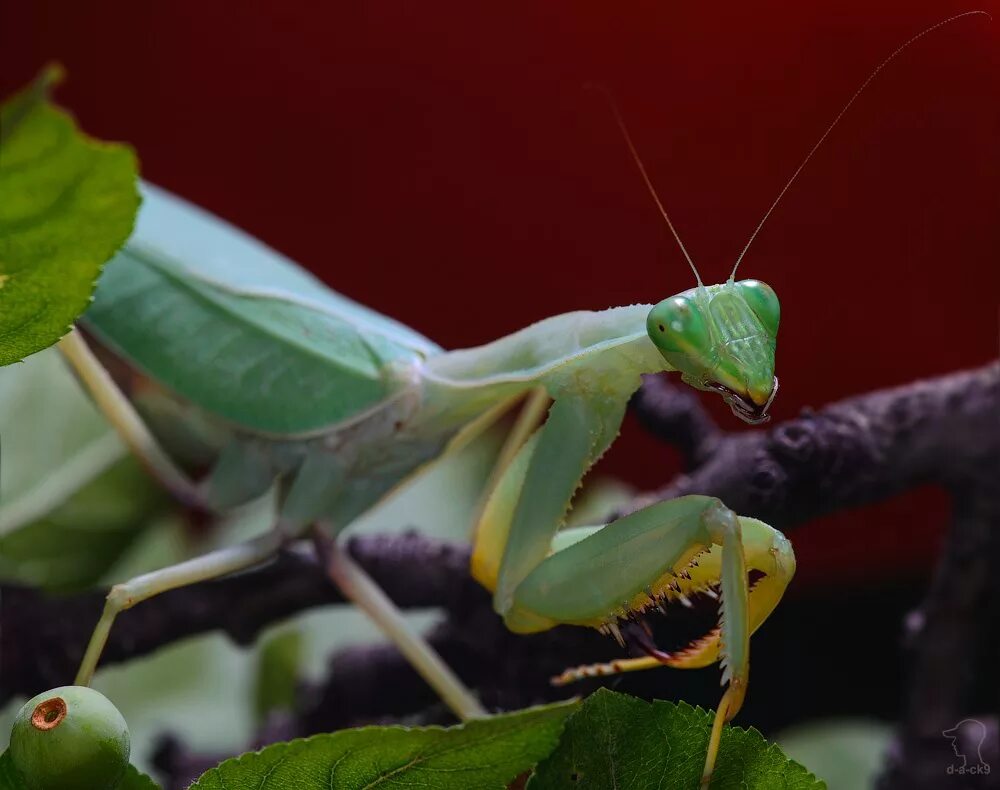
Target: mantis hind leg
<point>122,415</point>
<point>209,566</point>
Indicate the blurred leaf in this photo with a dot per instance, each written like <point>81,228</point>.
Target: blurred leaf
<point>615,740</point>
<point>10,778</point>
<point>69,203</point>
<point>486,753</point>
<point>54,439</point>
<point>73,502</point>
<point>278,670</point>
<point>74,546</point>
<point>847,753</point>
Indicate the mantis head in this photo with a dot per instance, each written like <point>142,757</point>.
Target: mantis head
<point>722,338</point>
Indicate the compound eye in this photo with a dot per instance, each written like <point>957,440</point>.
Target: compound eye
<point>677,325</point>
<point>764,302</point>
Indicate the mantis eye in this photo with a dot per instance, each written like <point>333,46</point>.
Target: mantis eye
<point>676,325</point>
<point>762,299</point>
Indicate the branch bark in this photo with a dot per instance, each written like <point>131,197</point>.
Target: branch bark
<point>43,637</point>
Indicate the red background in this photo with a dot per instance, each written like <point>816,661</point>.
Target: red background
<point>444,163</point>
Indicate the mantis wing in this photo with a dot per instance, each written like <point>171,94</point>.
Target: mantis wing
<point>190,294</point>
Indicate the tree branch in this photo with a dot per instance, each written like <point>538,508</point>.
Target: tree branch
<point>861,450</point>
<point>43,637</point>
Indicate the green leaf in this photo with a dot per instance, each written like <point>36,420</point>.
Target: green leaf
<point>615,740</point>
<point>10,777</point>
<point>68,204</point>
<point>488,753</point>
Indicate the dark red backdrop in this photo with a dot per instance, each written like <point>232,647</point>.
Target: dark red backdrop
<point>443,163</point>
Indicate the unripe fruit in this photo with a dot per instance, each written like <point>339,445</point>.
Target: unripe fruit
<point>70,738</point>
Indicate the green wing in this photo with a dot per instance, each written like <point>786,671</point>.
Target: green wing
<point>238,329</point>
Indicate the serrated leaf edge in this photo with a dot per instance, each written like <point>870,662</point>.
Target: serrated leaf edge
<point>299,743</point>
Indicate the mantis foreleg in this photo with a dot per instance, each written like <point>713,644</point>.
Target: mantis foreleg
<point>557,457</point>
<point>657,556</point>
<point>529,417</point>
<point>607,577</point>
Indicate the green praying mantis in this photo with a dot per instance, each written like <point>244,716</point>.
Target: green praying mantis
<point>285,384</point>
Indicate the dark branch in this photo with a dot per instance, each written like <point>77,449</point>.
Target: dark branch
<point>675,417</point>
<point>860,450</point>
<point>43,637</point>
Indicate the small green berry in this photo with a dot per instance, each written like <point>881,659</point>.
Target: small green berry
<point>70,738</point>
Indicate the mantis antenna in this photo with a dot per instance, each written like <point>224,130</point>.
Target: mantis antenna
<point>645,177</point>
<point>836,120</point>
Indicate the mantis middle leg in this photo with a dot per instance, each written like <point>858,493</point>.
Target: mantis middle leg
<point>208,566</point>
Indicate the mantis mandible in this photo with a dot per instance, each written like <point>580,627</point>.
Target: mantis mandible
<point>280,381</point>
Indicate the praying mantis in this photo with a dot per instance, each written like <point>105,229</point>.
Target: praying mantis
<point>285,384</point>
